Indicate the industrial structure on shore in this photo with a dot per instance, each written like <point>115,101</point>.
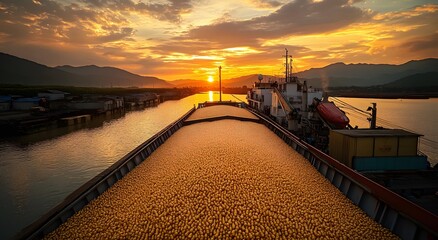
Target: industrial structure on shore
<point>53,108</point>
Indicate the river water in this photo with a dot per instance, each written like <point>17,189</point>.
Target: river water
<point>38,171</point>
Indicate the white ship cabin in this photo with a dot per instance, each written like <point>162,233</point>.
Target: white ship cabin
<point>293,98</point>
<point>260,97</point>
<point>293,91</point>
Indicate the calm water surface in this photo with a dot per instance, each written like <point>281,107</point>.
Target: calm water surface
<point>37,174</point>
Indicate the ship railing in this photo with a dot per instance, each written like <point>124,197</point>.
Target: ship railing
<point>96,186</point>
<point>402,217</point>
<point>420,153</point>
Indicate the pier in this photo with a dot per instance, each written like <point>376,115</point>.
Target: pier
<point>223,176</point>
<point>68,121</point>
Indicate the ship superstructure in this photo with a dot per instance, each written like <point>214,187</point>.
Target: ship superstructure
<point>298,107</point>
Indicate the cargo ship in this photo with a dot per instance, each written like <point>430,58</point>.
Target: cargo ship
<point>228,170</point>
<point>198,179</point>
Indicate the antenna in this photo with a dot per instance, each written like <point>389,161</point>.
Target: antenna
<point>287,65</point>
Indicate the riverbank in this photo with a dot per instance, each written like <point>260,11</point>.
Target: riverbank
<point>30,109</point>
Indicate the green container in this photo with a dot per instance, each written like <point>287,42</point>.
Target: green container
<point>390,163</point>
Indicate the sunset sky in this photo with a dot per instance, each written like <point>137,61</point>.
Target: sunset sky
<point>189,39</point>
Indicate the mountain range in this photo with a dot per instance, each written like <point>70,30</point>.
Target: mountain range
<point>418,73</point>
<point>16,70</point>
<point>363,75</point>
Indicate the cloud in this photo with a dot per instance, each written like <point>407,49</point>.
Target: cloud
<point>406,35</point>
<point>170,11</point>
<point>295,18</point>
<point>46,20</point>
<point>266,3</point>
<point>423,43</point>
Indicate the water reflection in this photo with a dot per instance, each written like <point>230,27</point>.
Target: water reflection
<point>210,96</point>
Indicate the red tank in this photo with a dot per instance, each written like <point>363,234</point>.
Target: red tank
<point>332,115</point>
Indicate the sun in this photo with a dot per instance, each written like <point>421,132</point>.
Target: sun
<point>210,79</point>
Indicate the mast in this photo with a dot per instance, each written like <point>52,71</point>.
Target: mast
<point>288,72</point>
<point>220,84</point>
<point>287,67</point>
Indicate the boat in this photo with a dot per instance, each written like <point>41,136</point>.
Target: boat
<point>332,115</point>
<point>298,125</point>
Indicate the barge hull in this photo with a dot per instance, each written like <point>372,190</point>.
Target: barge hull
<point>402,217</point>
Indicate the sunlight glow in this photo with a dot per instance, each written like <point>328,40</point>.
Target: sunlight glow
<point>210,79</point>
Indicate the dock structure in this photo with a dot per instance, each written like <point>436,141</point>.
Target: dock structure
<point>69,121</point>
<point>222,179</point>
<point>226,172</point>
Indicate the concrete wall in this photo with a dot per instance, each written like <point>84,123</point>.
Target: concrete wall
<point>52,96</point>
<point>22,106</point>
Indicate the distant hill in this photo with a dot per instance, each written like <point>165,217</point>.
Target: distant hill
<point>181,83</point>
<point>110,76</point>
<point>345,75</point>
<point>247,80</point>
<point>419,80</point>
<point>16,70</point>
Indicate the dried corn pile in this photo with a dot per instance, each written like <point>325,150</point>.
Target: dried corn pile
<point>223,179</point>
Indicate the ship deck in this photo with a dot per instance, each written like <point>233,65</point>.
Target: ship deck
<point>227,178</point>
